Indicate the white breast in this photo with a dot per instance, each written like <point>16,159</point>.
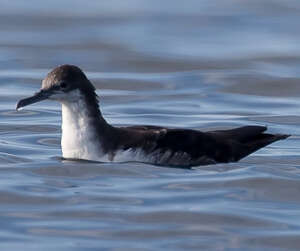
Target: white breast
<point>78,139</point>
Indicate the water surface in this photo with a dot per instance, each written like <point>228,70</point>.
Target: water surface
<point>202,65</point>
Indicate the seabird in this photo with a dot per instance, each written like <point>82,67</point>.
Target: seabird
<point>86,134</point>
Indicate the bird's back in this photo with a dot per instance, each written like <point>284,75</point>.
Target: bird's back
<point>184,147</point>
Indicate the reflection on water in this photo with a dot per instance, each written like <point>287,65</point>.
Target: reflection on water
<point>203,65</point>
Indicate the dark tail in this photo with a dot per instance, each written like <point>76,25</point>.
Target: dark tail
<point>254,142</point>
<point>248,139</point>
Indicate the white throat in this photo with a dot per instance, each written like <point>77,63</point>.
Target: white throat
<point>79,139</point>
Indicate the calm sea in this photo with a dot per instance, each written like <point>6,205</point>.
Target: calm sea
<point>187,64</point>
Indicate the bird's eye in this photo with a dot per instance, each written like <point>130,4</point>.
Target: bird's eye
<point>63,85</point>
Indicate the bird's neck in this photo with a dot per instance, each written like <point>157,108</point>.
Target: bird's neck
<point>84,130</point>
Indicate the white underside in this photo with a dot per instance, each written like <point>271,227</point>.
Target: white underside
<point>79,140</point>
<point>78,137</point>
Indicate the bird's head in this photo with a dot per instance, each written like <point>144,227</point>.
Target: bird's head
<point>65,83</point>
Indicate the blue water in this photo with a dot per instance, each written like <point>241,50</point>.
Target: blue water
<point>197,64</point>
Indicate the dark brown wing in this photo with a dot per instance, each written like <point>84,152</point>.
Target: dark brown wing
<point>195,147</point>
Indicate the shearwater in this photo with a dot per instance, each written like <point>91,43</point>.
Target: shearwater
<point>86,134</point>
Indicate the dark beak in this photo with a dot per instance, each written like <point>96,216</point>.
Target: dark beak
<point>39,96</point>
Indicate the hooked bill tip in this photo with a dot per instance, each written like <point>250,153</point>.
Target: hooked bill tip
<point>39,96</point>
<point>19,106</point>
<point>19,109</point>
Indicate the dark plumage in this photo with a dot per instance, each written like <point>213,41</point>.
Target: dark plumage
<point>191,147</point>
<point>157,145</point>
